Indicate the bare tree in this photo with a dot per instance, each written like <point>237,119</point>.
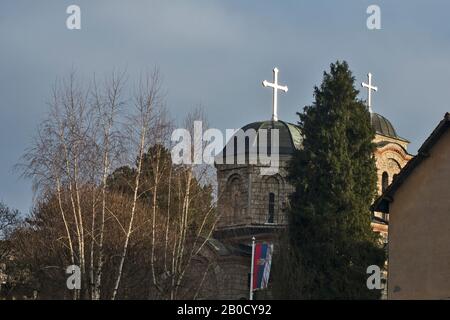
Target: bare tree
<point>107,105</point>
<point>147,105</point>
<point>63,161</point>
<point>191,231</point>
<point>127,215</point>
<point>9,220</point>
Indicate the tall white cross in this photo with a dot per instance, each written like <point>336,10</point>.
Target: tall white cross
<point>369,91</point>
<point>275,87</point>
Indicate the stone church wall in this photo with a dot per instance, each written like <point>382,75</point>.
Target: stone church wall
<point>245,185</point>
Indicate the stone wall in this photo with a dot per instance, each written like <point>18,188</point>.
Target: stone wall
<point>391,156</point>
<point>244,195</point>
<point>234,278</point>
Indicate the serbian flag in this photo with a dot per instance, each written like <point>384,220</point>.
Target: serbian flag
<point>261,265</point>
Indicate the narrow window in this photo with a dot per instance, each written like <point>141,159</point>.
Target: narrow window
<point>271,207</point>
<point>384,181</point>
<point>247,149</point>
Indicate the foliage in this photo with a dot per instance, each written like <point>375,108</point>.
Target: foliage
<point>330,238</point>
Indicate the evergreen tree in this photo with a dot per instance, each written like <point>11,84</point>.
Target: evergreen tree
<point>334,175</point>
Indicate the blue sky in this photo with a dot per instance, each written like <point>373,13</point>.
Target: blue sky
<point>216,53</point>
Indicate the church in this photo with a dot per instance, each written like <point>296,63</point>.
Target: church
<point>252,204</point>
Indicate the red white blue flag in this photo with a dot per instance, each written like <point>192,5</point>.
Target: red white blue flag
<point>261,265</point>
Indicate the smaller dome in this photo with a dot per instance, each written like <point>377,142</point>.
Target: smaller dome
<point>383,126</point>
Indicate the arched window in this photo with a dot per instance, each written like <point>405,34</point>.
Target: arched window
<point>384,181</point>
<point>272,200</point>
<point>271,215</point>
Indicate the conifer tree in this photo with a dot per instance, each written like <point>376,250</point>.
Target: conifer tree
<point>334,175</point>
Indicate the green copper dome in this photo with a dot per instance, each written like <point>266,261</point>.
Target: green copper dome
<point>290,138</point>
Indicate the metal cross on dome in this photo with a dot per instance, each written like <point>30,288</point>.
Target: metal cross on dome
<point>369,91</point>
<point>275,87</point>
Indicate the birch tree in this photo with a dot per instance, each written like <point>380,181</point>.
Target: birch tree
<point>107,105</point>
<point>147,103</point>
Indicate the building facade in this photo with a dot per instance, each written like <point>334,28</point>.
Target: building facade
<point>418,204</point>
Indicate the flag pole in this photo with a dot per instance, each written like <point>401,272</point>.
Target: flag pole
<point>252,267</point>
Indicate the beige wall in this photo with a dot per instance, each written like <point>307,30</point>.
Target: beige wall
<point>419,230</point>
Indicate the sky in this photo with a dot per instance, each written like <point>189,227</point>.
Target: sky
<point>216,54</point>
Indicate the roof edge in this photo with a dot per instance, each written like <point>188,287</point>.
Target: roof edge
<point>391,137</point>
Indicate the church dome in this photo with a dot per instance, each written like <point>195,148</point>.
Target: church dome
<point>383,126</point>
<point>290,138</point>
